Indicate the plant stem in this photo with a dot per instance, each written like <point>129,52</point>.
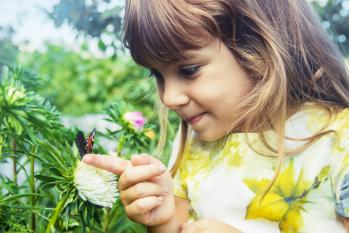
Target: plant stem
<point>14,167</point>
<point>56,212</point>
<point>121,145</point>
<point>32,188</point>
<point>106,226</point>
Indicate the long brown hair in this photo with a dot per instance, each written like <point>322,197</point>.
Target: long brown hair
<point>279,43</point>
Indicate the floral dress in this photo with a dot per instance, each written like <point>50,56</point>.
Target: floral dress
<point>226,180</point>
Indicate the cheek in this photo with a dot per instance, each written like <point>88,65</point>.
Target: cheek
<point>222,100</point>
<point>224,93</point>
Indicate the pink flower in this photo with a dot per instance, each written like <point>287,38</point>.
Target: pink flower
<point>136,119</point>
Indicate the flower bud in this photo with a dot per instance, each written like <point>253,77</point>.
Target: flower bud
<point>136,119</point>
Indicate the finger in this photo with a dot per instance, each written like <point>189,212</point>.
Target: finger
<point>143,205</point>
<point>140,159</point>
<point>141,190</point>
<point>113,164</point>
<point>133,175</point>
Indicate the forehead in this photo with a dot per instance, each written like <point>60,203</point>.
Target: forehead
<point>211,48</point>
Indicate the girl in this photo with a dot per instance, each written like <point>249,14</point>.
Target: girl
<point>263,98</point>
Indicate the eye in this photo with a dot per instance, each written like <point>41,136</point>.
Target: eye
<point>189,70</point>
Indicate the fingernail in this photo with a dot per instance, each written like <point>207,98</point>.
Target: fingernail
<point>160,199</point>
<point>87,158</point>
<point>162,168</point>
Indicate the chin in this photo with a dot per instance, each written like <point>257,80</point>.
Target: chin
<point>209,137</point>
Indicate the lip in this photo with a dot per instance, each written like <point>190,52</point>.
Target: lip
<point>195,119</point>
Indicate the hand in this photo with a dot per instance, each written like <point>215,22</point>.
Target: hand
<point>208,226</point>
<point>142,187</point>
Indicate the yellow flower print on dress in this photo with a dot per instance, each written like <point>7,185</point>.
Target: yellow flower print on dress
<point>232,149</point>
<point>284,202</point>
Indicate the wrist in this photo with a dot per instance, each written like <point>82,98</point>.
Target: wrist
<point>170,226</point>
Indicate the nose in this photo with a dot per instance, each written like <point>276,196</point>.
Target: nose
<point>174,94</point>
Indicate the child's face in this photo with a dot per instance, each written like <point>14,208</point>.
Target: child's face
<point>204,89</point>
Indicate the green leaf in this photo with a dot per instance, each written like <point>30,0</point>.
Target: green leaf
<point>48,185</point>
<point>1,145</point>
<point>17,196</point>
<point>48,178</point>
<point>55,171</point>
<point>15,124</point>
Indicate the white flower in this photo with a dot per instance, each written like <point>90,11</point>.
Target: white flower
<point>95,185</point>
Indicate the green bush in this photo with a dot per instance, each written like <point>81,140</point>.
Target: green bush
<point>34,140</point>
<point>77,85</point>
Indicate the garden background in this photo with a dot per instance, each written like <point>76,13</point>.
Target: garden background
<point>78,76</point>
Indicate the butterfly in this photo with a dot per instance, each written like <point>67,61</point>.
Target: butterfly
<point>85,146</point>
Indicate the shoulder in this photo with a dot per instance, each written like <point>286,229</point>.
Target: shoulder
<point>317,118</point>
<point>340,162</point>
<point>340,125</point>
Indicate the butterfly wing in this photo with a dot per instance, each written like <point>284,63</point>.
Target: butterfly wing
<point>81,143</point>
<point>89,141</point>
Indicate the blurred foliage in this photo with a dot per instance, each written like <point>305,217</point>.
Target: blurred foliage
<point>100,19</point>
<point>25,118</point>
<point>335,18</point>
<point>8,51</point>
<point>78,85</point>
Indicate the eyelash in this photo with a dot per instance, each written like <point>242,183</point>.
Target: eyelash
<point>188,71</point>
